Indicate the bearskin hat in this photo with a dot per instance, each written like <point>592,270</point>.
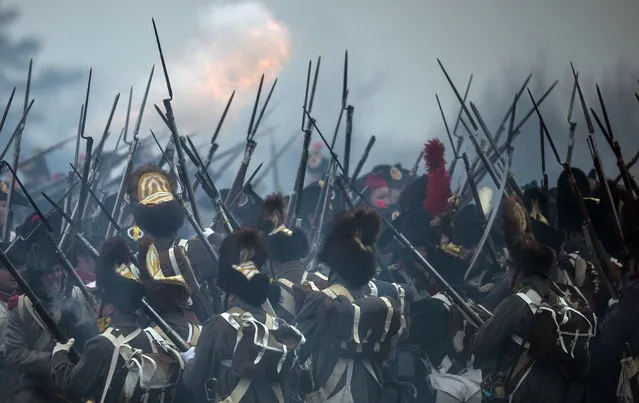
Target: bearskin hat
<point>394,176</point>
<point>166,284</point>
<point>537,203</point>
<point>283,244</point>
<point>242,253</point>
<point>150,192</point>
<point>347,246</point>
<point>528,255</point>
<point>247,207</point>
<point>468,226</point>
<point>438,185</point>
<point>118,278</point>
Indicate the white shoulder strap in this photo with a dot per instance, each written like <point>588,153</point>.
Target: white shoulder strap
<point>117,343</point>
<point>287,299</point>
<point>444,299</point>
<point>531,298</point>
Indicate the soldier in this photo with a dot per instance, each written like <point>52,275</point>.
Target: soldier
<point>348,334</point>
<point>246,353</point>
<point>113,362</point>
<point>160,216</point>
<point>8,300</point>
<point>525,372</point>
<point>285,248</point>
<point>27,341</point>
<point>619,329</point>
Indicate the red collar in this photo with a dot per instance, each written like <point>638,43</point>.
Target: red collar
<point>4,297</point>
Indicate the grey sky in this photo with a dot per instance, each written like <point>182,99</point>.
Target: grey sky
<point>393,48</point>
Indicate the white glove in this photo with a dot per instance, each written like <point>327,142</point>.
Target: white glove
<point>66,347</point>
<point>188,355</point>
<point>612,301</point>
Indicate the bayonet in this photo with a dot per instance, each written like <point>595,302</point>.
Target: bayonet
<point>181,165</point>
<point>8,216</point>
<point>364,157</point>
<point>6,108</point>
<point>600,260</point>
<point>461,100</point>
<point>214,145</point>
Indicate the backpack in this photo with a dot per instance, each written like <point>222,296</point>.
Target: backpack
<point>265,350</point>
<point>562,327</point>
<point>149,375</point>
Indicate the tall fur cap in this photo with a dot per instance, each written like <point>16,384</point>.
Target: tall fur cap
<point>238,248</point>
<point>272,212</point>
<point>529,256</point>
<point>163,219</point>
<point>347,247</point>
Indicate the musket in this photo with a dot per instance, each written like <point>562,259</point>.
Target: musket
<point>459,97</point>
<point>512,183</point>
<point>208,185</point>
<point>46,151</point>
<point>98,202</point>
<point>214,144</point>
<point>629,183</point>
<point>460,139</point>
<point>6,108</point>
<point>629,165</point>
<point>277,186</point>
<point>208,248</point>
<point>8,217</point>
<point>599,260</point>
<point>117,211</point>
<point>471,315</point>
<point>479,173</point>
<point>544,175</point>
<point>603,179</point>
<point>77,211</point>
<point>363,158</point>
<point>17,130</point>
<point>170,119</point>
<point>472,185</point>
<point>419,159</point>
<point>572,125</point>
<point>502,125</point>
<point>49,323</point>
<point>250,143</point>
<point>66,264</point>
<point>295,202</point>
<point>491,219</point>
<point>76,161</point>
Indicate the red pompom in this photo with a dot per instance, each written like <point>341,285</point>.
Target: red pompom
<point>434,155</point>
<point>35,219</point>
<point>438,188</point>
<point>316,147</point>
<point>374,182</point>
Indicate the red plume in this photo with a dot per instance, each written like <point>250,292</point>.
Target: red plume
<point>438,187</point>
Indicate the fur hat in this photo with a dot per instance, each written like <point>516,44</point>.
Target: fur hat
<point>247,207</point>
<point>117,276</point>
<point>347,246</point>
<point>242,253</point>
<point>438,185</point>
<point>395,176</point>
<point>150,192</point>
<point>283,244</point>
<point>537,203</point>
<point>528,255</point>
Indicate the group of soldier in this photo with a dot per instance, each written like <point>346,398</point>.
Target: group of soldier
<point>384,287</point>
